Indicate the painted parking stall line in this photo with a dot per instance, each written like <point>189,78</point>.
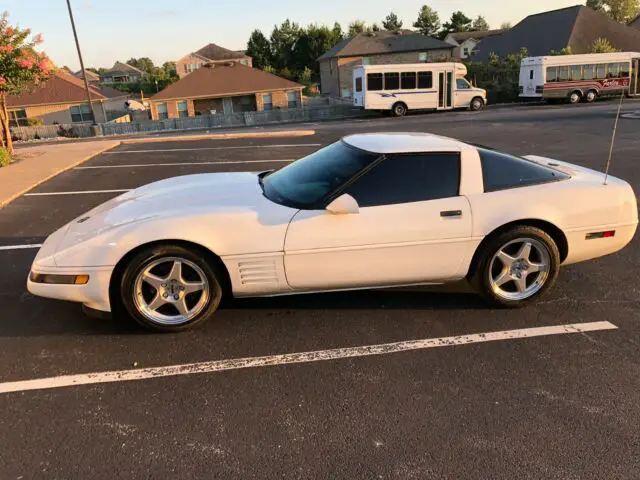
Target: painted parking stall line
<point>78,192</point>
<point>180,164</point>
<point>20,247</point>
<point>297,358</point>
<point>234,147</point>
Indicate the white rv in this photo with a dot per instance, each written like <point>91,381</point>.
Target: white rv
<point>398,88</point>
<point>580,77</point>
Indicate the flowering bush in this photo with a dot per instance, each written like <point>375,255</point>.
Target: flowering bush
<point>21,68</point>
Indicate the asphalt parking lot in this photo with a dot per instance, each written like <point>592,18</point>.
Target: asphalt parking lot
<point>563,405</point>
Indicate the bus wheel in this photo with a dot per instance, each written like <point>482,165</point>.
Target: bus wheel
<point>591,96</point>
<point>399,109</point>
<point>575,97</point>
<point>476,104</point>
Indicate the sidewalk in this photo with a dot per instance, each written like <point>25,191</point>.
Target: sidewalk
<point>36,165</point>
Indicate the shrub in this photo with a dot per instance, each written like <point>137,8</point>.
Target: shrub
<point>4,157</point>
<point>34,122</point>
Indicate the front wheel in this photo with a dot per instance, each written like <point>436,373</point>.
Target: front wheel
<point>476,104</point>
<point>399,110</point>
<point>170,288</point>
<point>517,267</point>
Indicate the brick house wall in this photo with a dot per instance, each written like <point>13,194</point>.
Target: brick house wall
<point>279,99</point>
<point>60,113</point>
<point>338,73</point>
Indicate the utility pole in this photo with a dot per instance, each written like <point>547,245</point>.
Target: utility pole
<point>84,73</point>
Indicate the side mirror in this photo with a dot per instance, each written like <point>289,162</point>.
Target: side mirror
<point>344,204</point>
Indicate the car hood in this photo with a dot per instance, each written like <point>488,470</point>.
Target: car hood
<point>179,196</point>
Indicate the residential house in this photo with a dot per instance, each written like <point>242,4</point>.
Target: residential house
<point>62,99</point>
<point>225,88</point>
<point>466,42</point>
<point>92,77</point>
<point>375,48</point>
<point>575,27</point>
<point>211,53</point>
<point>122,73</point>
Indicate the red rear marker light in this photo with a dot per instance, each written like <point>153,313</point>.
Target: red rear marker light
<point>607,234</point>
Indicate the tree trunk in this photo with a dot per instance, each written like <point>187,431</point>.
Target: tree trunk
<point>4,126</point>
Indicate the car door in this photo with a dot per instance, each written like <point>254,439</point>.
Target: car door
<point>463,94</point>
<point>412,227</point>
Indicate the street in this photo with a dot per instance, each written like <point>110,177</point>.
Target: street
<point>555,406</point>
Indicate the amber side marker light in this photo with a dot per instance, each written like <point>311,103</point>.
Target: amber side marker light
<point>59,279</point>
<point>607,234</point>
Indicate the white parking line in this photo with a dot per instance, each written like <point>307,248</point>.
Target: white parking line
<point>81,192</point>
<point>235,147</point>
<point>293,358</point>
<point>178,164</point>
<point>21,247</point>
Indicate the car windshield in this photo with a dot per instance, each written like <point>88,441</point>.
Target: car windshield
<point>306,182</point>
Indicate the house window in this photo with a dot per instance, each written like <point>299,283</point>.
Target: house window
<point>244,61</point>
<point>267,102</point>
<point>163,114</point>
<point>292,99</point>
<point>183,109</point>
<point>192,67</point>
<point>346,92</point>
<point>466,51</point>
<point>18,118</point>
<point>81,113</point>
<point>366,60</point>
<point>422,57</point>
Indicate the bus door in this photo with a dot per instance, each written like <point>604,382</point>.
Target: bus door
<point>634,87</point>
<point>446,84</point>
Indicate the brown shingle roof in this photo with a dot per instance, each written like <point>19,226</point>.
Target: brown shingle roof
<point>120,67</point>
<point>384,42</point>
<point>215,52</point>
<point>91,76</point>
<point>463,36</point>
<point>222,80</point>
<point>61,88</point>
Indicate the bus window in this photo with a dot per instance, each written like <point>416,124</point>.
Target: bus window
<point>425,79</point>
<point>358,84</point>
<point>601,72</point>
<point>374,81</point>
<point>625,70</point>
<point>552,74</point>
<point>392,81</point>
<point>576,72</point>
<point>563,74</point>
<point>613,70</point>
<point>589,72</point>
<point>408,80</point>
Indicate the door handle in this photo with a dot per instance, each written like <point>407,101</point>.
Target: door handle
<point>451,213</point>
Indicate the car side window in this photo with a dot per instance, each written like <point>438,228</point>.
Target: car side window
<point>501,171</point>
<point>408,178</point>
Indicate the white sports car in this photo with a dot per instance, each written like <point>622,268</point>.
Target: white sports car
<point>369,211</point>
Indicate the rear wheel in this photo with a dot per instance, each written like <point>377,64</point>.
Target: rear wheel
<point>399,109</point>
<point>170,288</point>
<point>575,97</point>
<point>516,267</point>
<point>591,95</point>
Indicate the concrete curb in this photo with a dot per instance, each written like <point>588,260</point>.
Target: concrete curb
<point>6,201</point>
<point>221,136</point>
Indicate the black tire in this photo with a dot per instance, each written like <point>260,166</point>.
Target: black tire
<point>575,97</point>
<point>212,272</point>
<point>399,109</point>
<point>481,277</point>
<point>476,104</point>
<point>591,96</point>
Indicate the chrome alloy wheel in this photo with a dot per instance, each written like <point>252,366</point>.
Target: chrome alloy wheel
<point>171,291</point>
<point>519,269</point>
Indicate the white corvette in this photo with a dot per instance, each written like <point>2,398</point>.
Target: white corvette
<point>369,211</point>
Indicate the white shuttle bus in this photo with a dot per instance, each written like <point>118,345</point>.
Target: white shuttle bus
<point>398,88</point>
<point>580,77</point>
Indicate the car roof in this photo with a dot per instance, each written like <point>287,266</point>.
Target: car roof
<point>409,142</point>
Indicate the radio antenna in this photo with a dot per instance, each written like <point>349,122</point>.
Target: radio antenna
<point>613,138</point>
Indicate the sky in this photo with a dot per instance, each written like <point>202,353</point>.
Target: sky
<point>163,30</point>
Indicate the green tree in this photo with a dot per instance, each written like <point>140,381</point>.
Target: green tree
<point>622,11</point>
<point>428,21</point>
<point>356,27</point>
<point>505,26</point>
<point>562,51</point>
<point>374,28</point>
<point>458,22</point>
<point>169,70</point>
<point>602,45</point>
<point>21,68</point>
<point>306,76</point>
<point>311,44</point>
<point>259,49</point>
<point>597,5</point>
<point>480,24</point>
<point>392,22</point>
<point>283,41</point>
<point>144,63</point>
